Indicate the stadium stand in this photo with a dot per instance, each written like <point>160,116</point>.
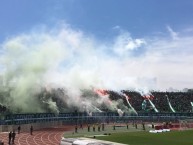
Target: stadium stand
<point>162,102</point>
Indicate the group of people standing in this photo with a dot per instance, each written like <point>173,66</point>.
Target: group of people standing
<point>12,137</point>
<point>12,134</point>
<point>94,126</point>
<point>98,126</point>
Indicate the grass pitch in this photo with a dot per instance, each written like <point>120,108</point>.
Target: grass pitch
<point>146,138</point>
<point>134,136</point>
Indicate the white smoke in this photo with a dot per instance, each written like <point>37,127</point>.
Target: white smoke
<point>71,59</point>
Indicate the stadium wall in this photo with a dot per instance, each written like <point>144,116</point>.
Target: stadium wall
<point>43,120</point>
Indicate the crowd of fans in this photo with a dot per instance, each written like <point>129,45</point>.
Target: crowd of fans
<point>2,108</point>
<point>162,101</point>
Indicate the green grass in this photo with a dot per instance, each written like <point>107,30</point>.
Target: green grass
<point>134,136</point>
<point>146,138</point>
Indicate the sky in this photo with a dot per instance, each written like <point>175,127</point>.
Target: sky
<point>133,43</point>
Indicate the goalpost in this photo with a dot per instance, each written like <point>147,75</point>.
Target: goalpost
<point>186,124</point>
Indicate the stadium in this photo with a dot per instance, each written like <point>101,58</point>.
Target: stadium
<point>103,72</point>
<point>153,112</point>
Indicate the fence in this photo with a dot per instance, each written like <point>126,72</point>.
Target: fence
<point>82,117</point>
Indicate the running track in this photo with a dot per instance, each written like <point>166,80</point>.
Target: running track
<point>49,136</point>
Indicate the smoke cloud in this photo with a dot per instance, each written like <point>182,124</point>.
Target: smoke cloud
<point>63,57</point>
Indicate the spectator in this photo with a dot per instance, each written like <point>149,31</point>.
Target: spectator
<point>99,127</point>
<point>127,126</point>
<point>88,127</point>
<point>76,129</point>
<point>152,125</point>
<point>13,136</point>
<point>81,126</point>
<point>31,130</point>
<point>114,126</point>
<point>94,127</point>
<point>103,127</point>
<point>19,129</point>
<point>135,125</point>
<point>9,136</point>
<point>143,125</point>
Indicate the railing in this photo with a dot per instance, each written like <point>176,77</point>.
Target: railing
<point>96,117</point>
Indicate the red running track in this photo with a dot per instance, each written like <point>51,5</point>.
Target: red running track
<point>49,136</point>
